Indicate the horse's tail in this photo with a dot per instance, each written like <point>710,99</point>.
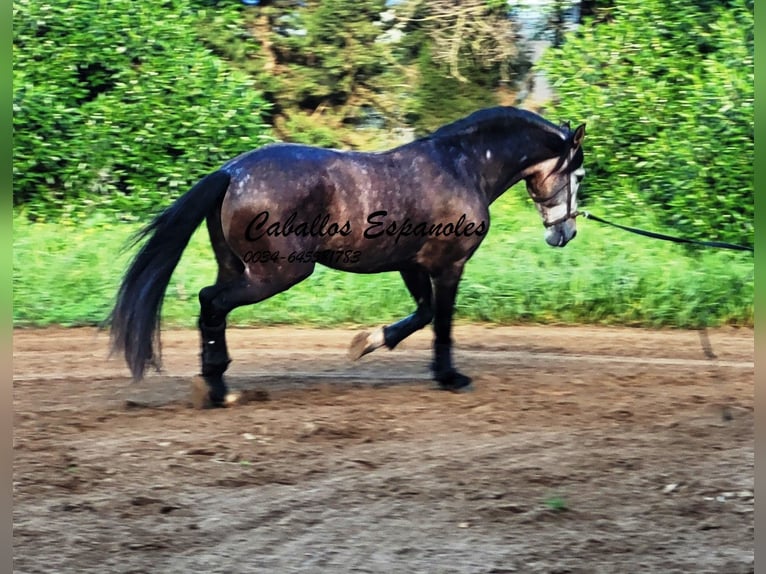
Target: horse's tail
<point>135,319</point>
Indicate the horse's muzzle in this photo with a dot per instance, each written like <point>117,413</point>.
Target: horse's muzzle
<point>561,233</point>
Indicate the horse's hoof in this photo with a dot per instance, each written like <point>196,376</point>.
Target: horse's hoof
<point>201,396</point>
<point>365,342</point>
<point>454,381</point>
<point>246,396</point>
<point>358,347</point>
<point>233,399</point>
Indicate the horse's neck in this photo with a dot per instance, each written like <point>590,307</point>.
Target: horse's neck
<point>501,161</point>
<point>492,162</point>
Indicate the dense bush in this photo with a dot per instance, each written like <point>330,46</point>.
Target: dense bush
<point>116,104</point>
<point>667,91</point>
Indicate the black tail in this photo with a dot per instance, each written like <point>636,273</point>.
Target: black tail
<point>135,319</point>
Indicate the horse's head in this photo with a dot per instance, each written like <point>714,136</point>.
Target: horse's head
<point>552,184</point>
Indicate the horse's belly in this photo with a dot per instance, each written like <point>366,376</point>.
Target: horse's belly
<point>365,258</point>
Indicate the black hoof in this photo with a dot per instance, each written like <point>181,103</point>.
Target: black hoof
<point>453,381</point>
<point>217,401</point>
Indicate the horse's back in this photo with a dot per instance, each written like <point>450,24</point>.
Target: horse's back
<point>282,161</point>
<point>307,176</point>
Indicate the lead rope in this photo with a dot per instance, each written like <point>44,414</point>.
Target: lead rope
<point>654,235</point>
<point>707,348</point>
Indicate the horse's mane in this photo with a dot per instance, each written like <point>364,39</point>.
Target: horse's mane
<point>504,119</point>
<point>494,119</point>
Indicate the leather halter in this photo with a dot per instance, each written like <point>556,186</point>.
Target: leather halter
<point>569,214</point>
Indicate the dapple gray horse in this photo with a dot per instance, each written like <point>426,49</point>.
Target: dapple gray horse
<point>421,209</point>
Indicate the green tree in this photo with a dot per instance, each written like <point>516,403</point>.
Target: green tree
<point>467,55</point>
<point>346,72</point>
<point>439,97</point>
<point>667,91</point>
<point>117,104</point>
<point>326,67</point>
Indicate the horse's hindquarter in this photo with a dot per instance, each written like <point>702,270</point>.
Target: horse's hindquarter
<point>358,212</point>
<point>272,191</point>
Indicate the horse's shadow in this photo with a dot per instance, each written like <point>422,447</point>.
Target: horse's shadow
<point>164,391</point>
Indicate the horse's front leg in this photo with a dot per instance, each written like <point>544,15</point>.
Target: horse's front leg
<point>418,284</point>
<point>445,286</point>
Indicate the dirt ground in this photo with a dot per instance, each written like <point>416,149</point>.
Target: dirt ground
<point>580,450</point>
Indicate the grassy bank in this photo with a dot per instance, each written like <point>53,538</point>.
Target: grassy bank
<point>68,273</point>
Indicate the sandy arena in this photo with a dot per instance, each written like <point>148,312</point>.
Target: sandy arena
<point>581,450</point>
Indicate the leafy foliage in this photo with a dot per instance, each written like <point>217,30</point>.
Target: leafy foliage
<point>328,50</point>
<point>429,109</point>
<point>324,67</point>
<point>667,92</point>
<point>117,104</point>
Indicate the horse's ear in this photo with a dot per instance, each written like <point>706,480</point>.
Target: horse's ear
<point>565,124</point>
<point>579,135</point>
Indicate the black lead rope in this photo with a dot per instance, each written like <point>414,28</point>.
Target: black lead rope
<point>653,235</point>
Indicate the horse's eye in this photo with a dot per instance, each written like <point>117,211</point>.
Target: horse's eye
<point>580,177</point>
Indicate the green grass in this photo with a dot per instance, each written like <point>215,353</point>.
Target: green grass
<point>67,274</point>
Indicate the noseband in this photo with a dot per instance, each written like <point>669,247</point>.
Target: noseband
<point>569,214</point>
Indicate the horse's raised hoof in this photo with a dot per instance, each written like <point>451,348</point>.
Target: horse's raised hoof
<point>358,347</point>
<point>364,343</point>
<point>454,381</point>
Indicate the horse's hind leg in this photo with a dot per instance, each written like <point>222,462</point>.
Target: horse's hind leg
<point>235,286</point>
<point>216,302</point>
<point>214,355</point>
<point>418,283</point>
<point>212,323</point>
